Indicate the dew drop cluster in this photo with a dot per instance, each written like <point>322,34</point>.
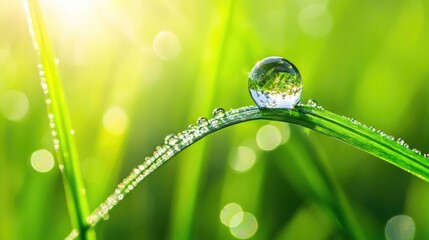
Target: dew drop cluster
<point>312,103</point>
<point>173,144</point>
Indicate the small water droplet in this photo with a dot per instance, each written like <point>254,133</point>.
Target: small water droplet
<point>72,132</point>
<point>417,151</point>
<point>312,103</point>
<point>171,139</point>
<point>202,121</point>
<point>219,113</point>
<point>56,144</point>
<point>320,107</point>
<point>44,87</point>
<point>214,123</point>
<point>274,82</point>
<point>400,141</point>
<point>48,101</point>
<point>372,128</point>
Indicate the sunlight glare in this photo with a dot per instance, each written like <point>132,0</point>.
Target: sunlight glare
<point>74,12</point>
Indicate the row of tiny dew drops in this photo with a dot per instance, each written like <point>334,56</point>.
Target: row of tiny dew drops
<point>43,82</point>
<point>400,141</point>
<point>51,116</point>
<point>174,143</point>
<point>265,73</point>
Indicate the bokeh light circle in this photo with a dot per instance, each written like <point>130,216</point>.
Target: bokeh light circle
<point>230,211</point>
<point>247,227</point>
<point>400,227</point>
<point>268,137</point>
<point>42,160</point>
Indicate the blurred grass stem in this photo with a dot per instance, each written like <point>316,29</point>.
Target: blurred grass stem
<point>57,109</point>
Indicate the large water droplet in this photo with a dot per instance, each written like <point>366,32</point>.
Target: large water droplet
<point>274,82</point>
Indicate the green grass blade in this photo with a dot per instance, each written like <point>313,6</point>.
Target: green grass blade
<point>60,123</point>
<point>309,173</point>
<point>309,116</point>
<point>190,172</point>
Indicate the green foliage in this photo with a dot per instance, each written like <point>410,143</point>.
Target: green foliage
<point>365,59</point>
<point>60,123</point>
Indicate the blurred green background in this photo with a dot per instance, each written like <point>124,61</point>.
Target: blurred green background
<point>134,71</point>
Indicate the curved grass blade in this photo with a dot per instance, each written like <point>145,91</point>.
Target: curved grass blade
<point>60,123</point>
<point>310,116</point>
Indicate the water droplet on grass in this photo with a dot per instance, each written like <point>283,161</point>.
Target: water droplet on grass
<point>417,151</point>
<point>274,82</point>
<point>312,103</point>
<point>219,113</point>
<point>171,139</point>
<point>202,121</point>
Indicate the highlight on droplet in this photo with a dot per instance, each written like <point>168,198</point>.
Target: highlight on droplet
<point>115,120</point>
<point>400,227</point>
<point>231,214</point>
<point>247,227</point>
<point>243,159</point>
<point>268,137</point>
<point>14,105</point>
<point>166,45</point>
<point>42,160</point>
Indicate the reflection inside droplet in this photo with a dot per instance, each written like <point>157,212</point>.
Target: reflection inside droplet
<point>274,82</point>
